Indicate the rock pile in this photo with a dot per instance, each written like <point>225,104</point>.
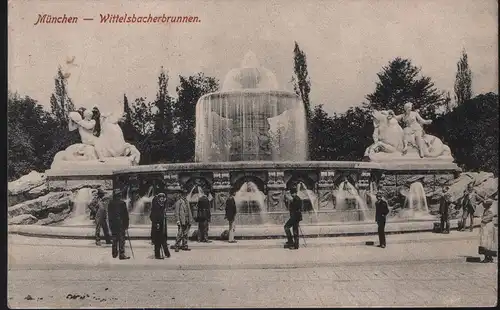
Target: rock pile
<point>30,201</point>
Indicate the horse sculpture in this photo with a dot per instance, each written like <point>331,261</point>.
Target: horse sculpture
<point>388,140</point>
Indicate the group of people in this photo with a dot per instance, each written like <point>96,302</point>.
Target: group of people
<point>469,202</point>
<point>117,215</point>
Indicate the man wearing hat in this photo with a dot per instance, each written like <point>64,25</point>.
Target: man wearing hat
<point>381,211</point>
<point>101,219</point>
<point>444,206</point>
<point>159,225</point>
<point>118,222</point>
<point>203,218</point>
<point>184,218</point>
<point>295,218</point>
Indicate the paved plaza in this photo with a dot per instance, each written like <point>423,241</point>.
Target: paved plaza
<point>419,269</point>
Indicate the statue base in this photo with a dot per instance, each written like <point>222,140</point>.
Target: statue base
<point>70,175</point>
<point>410,158</point>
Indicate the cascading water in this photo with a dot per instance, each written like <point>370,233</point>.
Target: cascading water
<point>348,198</point>
<point>307,194</point>
<point>81,201</point>
<point>250,119</point>
<point>249,199</point>
<point>415,205</point>
<point>140,205</point>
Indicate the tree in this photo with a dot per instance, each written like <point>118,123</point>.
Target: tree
<point>129,131</point>
<point>143,120</point>
<point>400,82</point>
<point>321,124</point>
<point>471,131</point>
<point>463,80</point>
<point>301,82</point>
<point>189,91</point>
<point>29,138</point>
<point>162,138</point>
<point>60,102</point>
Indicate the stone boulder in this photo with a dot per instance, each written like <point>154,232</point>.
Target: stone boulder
<point>41,207</point>
<point>23,219</point>
<point>26,183</point>
<point>30,186</point>
<point>55,218</point>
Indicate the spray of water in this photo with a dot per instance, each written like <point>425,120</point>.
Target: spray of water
<point>140,205</point>
<point>348,197</point>
<point>81,201</point>
<point>248,195</point>
<point>307,194</point>
<point>415,205</point>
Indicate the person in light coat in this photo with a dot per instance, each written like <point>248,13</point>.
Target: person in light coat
<point>183,218</point>
<point>488,239</point>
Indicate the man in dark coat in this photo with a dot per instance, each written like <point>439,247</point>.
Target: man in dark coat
<point>444,206</point>
<point>381,211</point>
<point>101,220</point>
<point>295,209</point>
<point>203,217</point>
<point>231,214</point>
<point>118,222</point>
<point>159,225</point>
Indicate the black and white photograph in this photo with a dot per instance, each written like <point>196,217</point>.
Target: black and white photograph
<point>252,154</point>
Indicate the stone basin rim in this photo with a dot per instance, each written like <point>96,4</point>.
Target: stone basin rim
<point>296,165</point>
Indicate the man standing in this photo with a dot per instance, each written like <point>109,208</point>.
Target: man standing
<point>468,207</point>
<point>159,225</point>
<point>101,220</point>
<point>118,222</point>
<point>381,211</point>
<point>231,214</point>
<point>184,218</point>
<point>295,218</point>
<point>444,206</point>
<point>203,217</point>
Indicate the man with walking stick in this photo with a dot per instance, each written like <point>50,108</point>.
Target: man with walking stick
<point>381,211</point>
<point>159,226</point>
<point>118,222</point>
<point>293,222</point>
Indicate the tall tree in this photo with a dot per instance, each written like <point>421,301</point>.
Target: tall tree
<point>400,82</point>
<point>129,132</point>
<point>142,118</point>
<point>162,139</point>
<point>321,124</point>
<point>30,130</point>
<point>463,80</point>
<point>471,131</point>
<point>189,91</point>
<point>60,102</point>
<point>301,81</point>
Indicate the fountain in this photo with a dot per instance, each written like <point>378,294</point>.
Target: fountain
<point>348,198</point>
<point>250,200</point>
<point>252,136</point>
<point>142,206</point>
<point>415,205</point>
<point>81,201</point>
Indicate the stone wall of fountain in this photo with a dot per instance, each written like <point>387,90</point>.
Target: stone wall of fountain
<point>330,191</point>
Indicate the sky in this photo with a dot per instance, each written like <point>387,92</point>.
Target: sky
<point>346,43</point>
